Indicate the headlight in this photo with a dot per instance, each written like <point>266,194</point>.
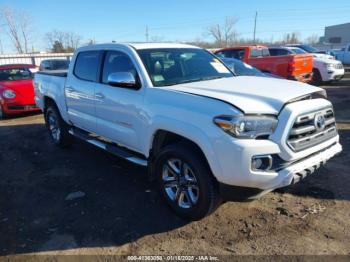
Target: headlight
<point>328,65</point>
<point>9,94</point>
<point>247,126</point>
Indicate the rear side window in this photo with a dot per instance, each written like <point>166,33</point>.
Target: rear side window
<point>87,65</point>
<point>258,52</point>
<point>282,52</point>
<point>277,52</point>
<point>237,54</point>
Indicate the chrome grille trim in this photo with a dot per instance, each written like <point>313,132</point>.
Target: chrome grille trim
<point>304,133</point>
<point>338,66</point>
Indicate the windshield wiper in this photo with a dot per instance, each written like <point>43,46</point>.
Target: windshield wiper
<point>200,79</point>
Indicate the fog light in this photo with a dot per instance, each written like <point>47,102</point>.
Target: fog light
<point>261,163</point>
<point>256,163</point>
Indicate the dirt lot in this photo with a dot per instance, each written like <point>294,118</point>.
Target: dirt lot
<point>120,211</point>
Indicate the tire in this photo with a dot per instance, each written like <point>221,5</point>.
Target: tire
<point>2,113</point>
<point>316,78</point>
<point>186,182</point>
<point>57,127</point>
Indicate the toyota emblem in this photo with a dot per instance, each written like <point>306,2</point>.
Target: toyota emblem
<point>319,122</point>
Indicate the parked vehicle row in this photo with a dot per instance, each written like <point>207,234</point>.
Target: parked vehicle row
<point>293,67</point>
<point>204,134</point>
<point>325,67</point>
<point>295,62</point>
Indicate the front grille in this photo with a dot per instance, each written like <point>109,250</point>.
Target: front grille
<point>306,132</point>
<point>338,66</point>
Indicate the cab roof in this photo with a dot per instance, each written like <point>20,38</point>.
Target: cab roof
<point>138,46</point>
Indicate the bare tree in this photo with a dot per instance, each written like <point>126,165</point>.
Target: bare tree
<point>312,39</point>
<point>73,40</point>
<point>61,41</point>
<point>291,38</point>
<point>18,25</point>
<point>224,34</point>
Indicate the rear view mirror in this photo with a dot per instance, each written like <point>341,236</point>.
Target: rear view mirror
<point>122,79</point>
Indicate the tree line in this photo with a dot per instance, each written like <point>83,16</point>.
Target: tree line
<point>18,26</point>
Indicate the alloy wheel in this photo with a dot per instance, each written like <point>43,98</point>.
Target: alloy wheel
<point>180,183</point>
<point>53,127</point>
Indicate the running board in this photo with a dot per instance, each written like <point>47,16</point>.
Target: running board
<point>109,147</point>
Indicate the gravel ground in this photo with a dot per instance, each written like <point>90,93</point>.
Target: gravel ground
<point>115,210</point>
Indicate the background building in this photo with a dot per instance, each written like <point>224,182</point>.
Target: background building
<point>337,36</point>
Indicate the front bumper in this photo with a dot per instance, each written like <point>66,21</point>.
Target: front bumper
<point>290,175</point>
<point>334,74</point>
<point>234,156</point>
<point>301,169</point>
<point>17,108</point>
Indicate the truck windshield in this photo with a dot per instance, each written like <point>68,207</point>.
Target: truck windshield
<point>172,66</point>
<point>15,74</point>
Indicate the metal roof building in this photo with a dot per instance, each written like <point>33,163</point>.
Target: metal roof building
<point>337,35</point>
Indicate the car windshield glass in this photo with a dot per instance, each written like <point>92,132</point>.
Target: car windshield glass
<point>297,51</point>
<point>171,66</point>
<point>15,74</point>
<point>309,49</point>
<point>60,64</point>
<point>241,69</point>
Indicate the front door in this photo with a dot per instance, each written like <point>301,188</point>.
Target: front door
<point>119,109</point>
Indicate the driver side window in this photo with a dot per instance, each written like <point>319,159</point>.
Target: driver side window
<point>116,62</point>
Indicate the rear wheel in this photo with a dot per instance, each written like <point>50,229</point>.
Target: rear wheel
<point>57,127</point>
<point>316,78</point>
<point>185,182</point>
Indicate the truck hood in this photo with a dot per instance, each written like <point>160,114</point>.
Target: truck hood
<point>322,56</point>
<point>252,95</point>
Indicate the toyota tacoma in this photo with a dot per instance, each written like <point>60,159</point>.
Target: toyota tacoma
<point>205,135</point>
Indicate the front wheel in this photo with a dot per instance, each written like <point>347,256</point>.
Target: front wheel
<point>316,77</point>
<point>185,182</point>
<point>58,129</point>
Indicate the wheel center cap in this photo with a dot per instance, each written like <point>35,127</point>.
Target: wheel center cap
<point>182,181</point>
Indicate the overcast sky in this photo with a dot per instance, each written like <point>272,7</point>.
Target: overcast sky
<point>180,20</point>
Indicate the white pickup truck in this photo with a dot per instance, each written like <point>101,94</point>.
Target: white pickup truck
<point>205,134</point>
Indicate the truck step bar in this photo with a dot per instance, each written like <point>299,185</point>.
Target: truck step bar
<point>109,147</point>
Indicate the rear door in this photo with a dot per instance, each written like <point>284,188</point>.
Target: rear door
<point>80,90</point>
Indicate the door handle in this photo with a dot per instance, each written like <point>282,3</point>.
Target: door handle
<point>99,95</point>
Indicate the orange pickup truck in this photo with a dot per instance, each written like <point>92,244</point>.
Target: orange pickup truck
<point>294,67</point>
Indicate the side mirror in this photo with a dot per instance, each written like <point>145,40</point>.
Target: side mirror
<point>122,79</point>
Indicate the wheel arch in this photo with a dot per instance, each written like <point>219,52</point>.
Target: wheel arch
<point>162,138</point>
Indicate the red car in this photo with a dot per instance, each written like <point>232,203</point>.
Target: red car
<point>16,89</point>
